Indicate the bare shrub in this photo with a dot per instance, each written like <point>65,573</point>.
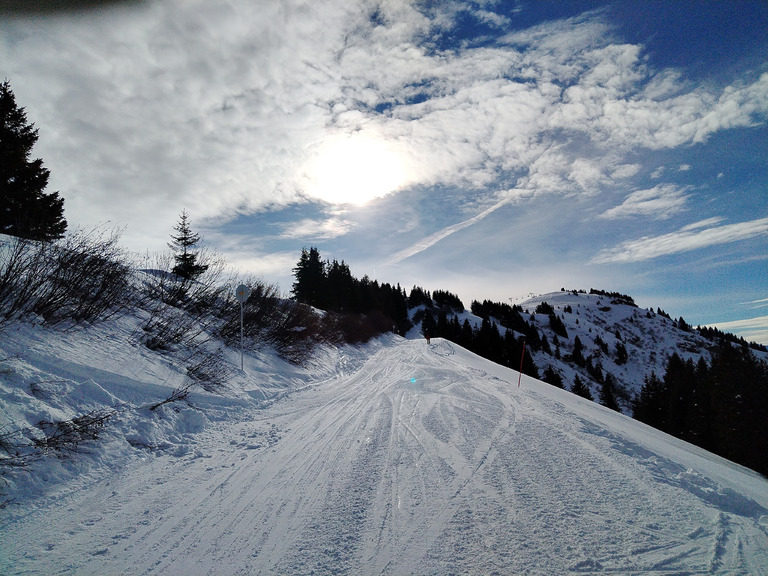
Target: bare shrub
<point>82,278</point>
<point>88,279</point>
<point>261,311</point>
<point>291,328</point>
<point>66,435</point>
<point>179,393</point>
<point>21,273</point>
<point>209,369</point>
<point>337,328</point>
<point>296,331</point>
<point>14,450</point>
<point>179,310</point>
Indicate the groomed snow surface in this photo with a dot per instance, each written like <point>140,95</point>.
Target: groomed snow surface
<point>400,457</point>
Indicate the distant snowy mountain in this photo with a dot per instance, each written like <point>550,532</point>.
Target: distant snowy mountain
<point>603,324</point>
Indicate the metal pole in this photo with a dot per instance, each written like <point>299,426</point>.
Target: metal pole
<point>242,345</point>
<point>522,357</point>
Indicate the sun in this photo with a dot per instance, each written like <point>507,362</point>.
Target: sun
<point>355,170</point>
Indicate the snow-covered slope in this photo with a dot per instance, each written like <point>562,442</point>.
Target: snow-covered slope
<point>649,339</point>
<point>395,458</point>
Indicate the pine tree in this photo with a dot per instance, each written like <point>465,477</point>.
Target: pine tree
<point>25,210</point>
<point>552,377</point>
<point>311,279</point>
<point>578,352</point>
<point>187,266</point>
<point>621,354</point>
<point>608,393</point>
<point>581,389</point>
<point>649,405</point>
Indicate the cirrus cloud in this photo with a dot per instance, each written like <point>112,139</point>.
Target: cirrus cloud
<point>661,201</point>
<point>691,237</point>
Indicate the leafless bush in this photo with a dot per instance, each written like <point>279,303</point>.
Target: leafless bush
<point>179,393</point>
<point>168,327</point>
<point>66,435</point>
<point>14,450</point>
<point>355,328</point>
<point>296,333</point>
<point>209,369</point>
<point>291,328</point>
<point>17,265</point>
<point>88,280</point>
<point>82,278</point>
<point>180,310</point>
<point>261,311</point>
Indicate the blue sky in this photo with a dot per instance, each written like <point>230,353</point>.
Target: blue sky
<point>492,149</point>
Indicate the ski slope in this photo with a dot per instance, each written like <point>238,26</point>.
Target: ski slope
<point>407,458</point>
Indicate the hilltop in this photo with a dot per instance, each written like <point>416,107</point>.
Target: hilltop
<point>605,325</point>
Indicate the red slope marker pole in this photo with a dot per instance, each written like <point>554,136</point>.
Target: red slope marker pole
<point>521,365</point>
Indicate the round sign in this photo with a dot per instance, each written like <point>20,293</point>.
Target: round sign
<point>242,292</point>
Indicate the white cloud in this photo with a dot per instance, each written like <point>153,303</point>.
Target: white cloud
<point>684,168</point>
<point>759,303</point>
<point>222,107</point>
<point>702,224</point>
<point>317,229</point>
<point>684,240</point>
<point>661,201</point>
<point>751,329</point>
<point>625,171</point>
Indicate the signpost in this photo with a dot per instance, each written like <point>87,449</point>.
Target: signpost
<point>241,293</point>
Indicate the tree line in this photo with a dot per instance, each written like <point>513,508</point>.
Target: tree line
<point>330,286</point>
<point>721,407</point>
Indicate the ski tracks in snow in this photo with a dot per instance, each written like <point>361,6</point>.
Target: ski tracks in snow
<point>416,463</point>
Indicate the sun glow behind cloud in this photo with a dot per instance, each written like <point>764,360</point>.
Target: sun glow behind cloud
<point>355,170</point>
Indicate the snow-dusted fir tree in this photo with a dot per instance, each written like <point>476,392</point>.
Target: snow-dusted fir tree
<point>187,264</point>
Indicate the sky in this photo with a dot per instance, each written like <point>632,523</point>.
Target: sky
<point>494,149</point>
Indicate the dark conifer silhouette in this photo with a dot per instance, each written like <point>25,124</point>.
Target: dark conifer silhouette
<point>187,261</point>
<point>25,210</point>
<point>581,389</point>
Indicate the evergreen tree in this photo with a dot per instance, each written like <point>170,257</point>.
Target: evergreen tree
<point>342,289</point>
<point>443,328</point>
<point>467,335</point>
<point>187,265</point>
<point>679,380</point>
<point>25,210</point>
<point>621,354</point>
<point>581,389</point>
<point>310,274</point>
<point>608,393</point>
<point>552,377</point>
<point>578,352</point>
<point>738,389</point>
<point>428,325</point>
<point>649,406</point>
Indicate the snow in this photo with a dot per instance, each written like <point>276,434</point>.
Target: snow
<point>649,339</point>
<point>396,457</point>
